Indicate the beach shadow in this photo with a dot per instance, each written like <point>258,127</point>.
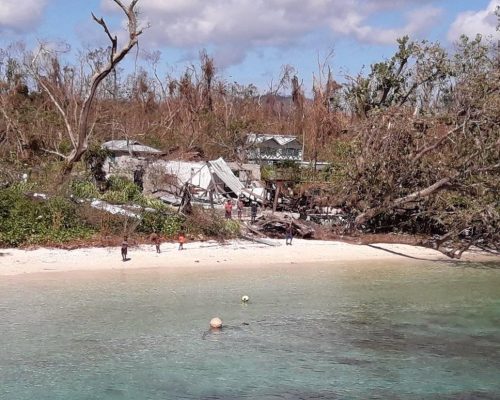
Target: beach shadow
<point>454,262</point>
<point>408,256</point>
<point>126,259</point>
<point>4,254</point>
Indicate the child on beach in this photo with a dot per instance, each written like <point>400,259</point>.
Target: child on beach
<point>289,234</point>
<point>124,248</point>
<point>228,207</point>
<point>240,206</point>
<point>182,239</point>
<point>155,239</point>
<point>253,212</point>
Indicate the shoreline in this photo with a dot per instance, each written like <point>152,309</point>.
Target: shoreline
<point>214,255</point>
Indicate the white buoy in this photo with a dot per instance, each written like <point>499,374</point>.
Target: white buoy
<point>216,323</point>
<point>245,299</point>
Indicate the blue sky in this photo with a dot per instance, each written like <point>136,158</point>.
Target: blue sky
<point>251,39</point>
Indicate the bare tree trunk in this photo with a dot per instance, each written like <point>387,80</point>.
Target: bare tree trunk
<point>276,196</point>
<point>80,134</point>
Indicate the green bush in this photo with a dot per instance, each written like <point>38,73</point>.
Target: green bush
<point>212,224</point>
<point>232,228</point>
<point>123,189</point>
<point>169,225</point>
<point>172,225</point>
<point>25,221</point>
<point>120,191</point>
<point>84,189</point>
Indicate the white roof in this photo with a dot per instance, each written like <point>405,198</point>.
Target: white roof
<point>200,174</point>
<point>222,170</point>
<point>196,173</point>
<point>256,138</point>
<point>131,146</point>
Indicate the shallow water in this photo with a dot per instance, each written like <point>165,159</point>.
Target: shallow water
<point>359,331</point>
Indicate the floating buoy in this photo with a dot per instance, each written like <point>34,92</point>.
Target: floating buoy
<point>245,299</point>
<point>216,323</point>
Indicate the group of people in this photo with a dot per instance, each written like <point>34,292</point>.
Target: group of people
<point>240,205</point>
<point>228,208</point>
<point>156,240</point>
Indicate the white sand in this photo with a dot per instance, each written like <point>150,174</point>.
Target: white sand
<point>236,254</point>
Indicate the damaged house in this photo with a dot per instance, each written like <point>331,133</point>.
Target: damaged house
<point>208,182</point>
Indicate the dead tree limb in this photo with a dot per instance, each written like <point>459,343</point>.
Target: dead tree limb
<point>372,212</point>
<point>433,146</point>
<point>80,132</point>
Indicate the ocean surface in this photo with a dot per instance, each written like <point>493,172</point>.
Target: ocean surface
<point>407,330</point>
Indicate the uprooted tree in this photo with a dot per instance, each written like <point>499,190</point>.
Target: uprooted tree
<point>74,103</point>
<point>432,170</point>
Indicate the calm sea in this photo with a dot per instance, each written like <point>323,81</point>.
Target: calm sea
<point>357,331</point>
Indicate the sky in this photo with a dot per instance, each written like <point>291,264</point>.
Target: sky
<point>250,40</point>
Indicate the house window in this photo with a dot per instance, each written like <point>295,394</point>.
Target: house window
<point>290,152</point>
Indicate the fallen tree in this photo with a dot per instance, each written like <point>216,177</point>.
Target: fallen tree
<point>430,168</point>
<point>275,225</point>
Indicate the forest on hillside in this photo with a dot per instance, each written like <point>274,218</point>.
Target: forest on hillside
<point>413,143</point>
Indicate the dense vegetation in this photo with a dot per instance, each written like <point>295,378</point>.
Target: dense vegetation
<point>414,145</point>
<point>28,219</point>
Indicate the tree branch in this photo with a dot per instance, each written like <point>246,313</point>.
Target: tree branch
<point>433,146</point>
<point>113,39</point>
<point>115,57</point>
<point>58,106</point>
<point>69,130</point>
<point>55,153</point>
<point>372,212</point>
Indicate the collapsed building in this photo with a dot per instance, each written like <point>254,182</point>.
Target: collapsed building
<point>210,182</point>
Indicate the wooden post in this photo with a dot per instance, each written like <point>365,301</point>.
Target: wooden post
<point>276,195</point>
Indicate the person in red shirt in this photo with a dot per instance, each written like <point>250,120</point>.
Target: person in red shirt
<point>182,240</point>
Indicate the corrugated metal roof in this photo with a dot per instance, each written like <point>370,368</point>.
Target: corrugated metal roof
<point>257,138</point>
<point>222,170</point>
<point>131,146</point>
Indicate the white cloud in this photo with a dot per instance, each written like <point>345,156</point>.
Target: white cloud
<point>471,23</point>
<point>20,15</point>
<point>355,25</point>
<point>234,27</point>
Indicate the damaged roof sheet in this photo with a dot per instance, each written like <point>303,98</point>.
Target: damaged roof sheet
<point>131,146</point>
<point>222,170</point>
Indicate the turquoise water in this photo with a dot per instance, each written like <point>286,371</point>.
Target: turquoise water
<point>359,331</point>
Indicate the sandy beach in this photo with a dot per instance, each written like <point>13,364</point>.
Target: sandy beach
<point>234,254</point>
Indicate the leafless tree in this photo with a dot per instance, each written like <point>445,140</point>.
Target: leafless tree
<point>79,126</point>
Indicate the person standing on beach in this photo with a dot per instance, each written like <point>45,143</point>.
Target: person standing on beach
<point>124,248</point>
<point>253,212</point>
<point>155,239</point>
<point>182,239</point>
<point>229,209</point>
<point>240,207</point>
<point>289,234</point>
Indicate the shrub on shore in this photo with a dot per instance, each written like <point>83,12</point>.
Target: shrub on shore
<point>26,221</point>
